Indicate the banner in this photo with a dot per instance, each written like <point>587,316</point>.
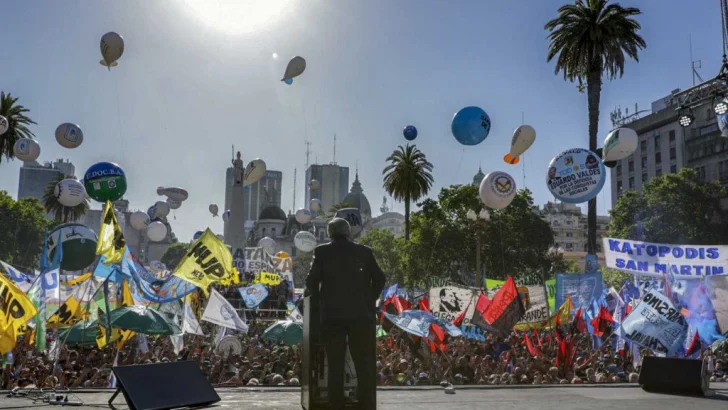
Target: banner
<point>258,260</point>
<point>534,301</point>
<point>415,325</point>
<point>220,312</point>
<point>580,287</point>
<point>267,278</point>
<point>207,261</point>
<point>449,302</point>
<point>471,332</point>
<point>22,281</point>
<point>253,295</point>
<point>69,313</point>
<point>655,324</point>
<point>505,309</point>
<point>655,259</point>
<point>111,242</point>
<point>147,287</point>
<point>17,308</point>
<point>718,293</point>
<point>551,294</point>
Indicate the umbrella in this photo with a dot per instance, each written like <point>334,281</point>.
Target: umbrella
<point>286,331</point>
<point>80,334</point>
<point>142,319</point>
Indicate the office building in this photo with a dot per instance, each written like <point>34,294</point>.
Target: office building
<point>257,196</point>
<point>35,178</point>
<point>569,225</point>
<point>332,187</point>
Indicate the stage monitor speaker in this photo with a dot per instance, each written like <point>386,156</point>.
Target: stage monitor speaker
<point>163,386</point>
<point>672,376</point>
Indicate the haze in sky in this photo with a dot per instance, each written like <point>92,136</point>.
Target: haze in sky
<point>200,76</point>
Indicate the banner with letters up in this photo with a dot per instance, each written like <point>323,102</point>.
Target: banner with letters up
<point>655,324</point>
<point>534,300</point>
<point>657,259</point>
<point>448,302</point>
<point>580,287</point>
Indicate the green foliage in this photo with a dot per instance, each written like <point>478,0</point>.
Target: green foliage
<point>389,253</point>
<point>335,208</point>
<point>62,213</point>
<point>616,278</point>
<point>18,123</point>
<point>301,266</point>
<point>174,254</point>
<point>22,227</point>
<point>675,208</point>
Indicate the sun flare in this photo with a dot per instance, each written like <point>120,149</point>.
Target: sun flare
<point>238,16</point>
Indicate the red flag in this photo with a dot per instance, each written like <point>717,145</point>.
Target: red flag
<point>558,335</point>
<point>397,305</point>
<point>505,310</point>
<point>579,323</point>
<point>549,340</point>
<point>480,306</point>
<point>694,345</point>
<point>425,305</point>
<point>406,305</point>
<point>602,322</point>
<point>531,348</point>
<point>536,338</point>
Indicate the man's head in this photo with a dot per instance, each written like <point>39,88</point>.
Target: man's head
<point>338,228</point>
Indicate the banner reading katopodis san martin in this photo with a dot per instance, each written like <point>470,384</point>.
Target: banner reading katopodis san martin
<point>449,302</point>
<point>655,259</point>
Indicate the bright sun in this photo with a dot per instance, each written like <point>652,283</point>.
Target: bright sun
<point>238,16</point>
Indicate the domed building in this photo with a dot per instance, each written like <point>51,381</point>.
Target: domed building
<point>271,222</point>
<point>358,200</point>
<point>478,178</point>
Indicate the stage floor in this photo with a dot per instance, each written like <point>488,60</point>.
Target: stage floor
<point>426,398</point>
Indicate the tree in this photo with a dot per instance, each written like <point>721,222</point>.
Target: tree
<point>590,38</point>
<point>675,208</point>
<point>18,124</point>
<point>407,178</point>
<point>388,251</point>
<point>60,212</point>
<point>335,208</point>
<point>22,227</point>
<point>174,254</point>
<point>301,266</point>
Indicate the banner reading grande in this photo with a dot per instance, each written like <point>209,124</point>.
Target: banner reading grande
<point>536,305</point>
<point>655,259</point>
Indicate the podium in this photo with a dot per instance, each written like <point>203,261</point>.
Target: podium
<point>314,394</point>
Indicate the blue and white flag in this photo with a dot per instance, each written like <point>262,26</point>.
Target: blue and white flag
<point>253,295</point>
<point>417,322</point>
<point>22,280</point>
<point>391,291</point>
<point>655,324</point>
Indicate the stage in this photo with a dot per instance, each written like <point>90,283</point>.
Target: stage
<point>427,398</point>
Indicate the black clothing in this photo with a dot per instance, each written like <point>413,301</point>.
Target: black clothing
<point>362,346</point>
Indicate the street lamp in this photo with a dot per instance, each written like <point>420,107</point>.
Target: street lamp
<point>483,215</point>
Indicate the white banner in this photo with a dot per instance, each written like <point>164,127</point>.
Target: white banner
<point>449,302</point>
<point>220,312</point>
<point>536,304</point>
<point>190,324</point>
<point>655,324</point>
<point>656,259</point>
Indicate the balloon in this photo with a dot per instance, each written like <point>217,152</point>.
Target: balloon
<point>314,184</point>
<point>294,69</point>
<point>213,209</point>
<point>303,216</point>
<point>575,176</point>
<point>353,216</point>
<point>156,231</point>
<point>288,81</point>
<point>254,171</point>
<point>139,220</point>
<point>69,135</point>
<point>523,138</point>
<point>620,144</point>
<point>282,255</point>
<point>178,194</point>
<point>197,235</point>
<point>26,150</point>
<point>315,205</point>
<point>112,47</point>
<point>173,204</point>
<point>305,241</point>
<point>4,125</point>
<point>69,192</point>
<point>79,245</point>
<point>226,215</point>
<point>471,125</point>
<point>410,132</point>
<point>162,209</point>
<point>268,244</point>
<point>152,212</point>
<point>497,190</point>
<point>105,181</point>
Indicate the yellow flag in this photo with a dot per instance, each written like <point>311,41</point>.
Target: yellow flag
<point>15,306</point>
<point>268,278</point>
<point>126,300</point>
<point>111,241</point>
<point>70,312</point>
<point>78,280</point>
<point>207,261</point>
<point>101,340</point>
<point>8,338</point>
<point>563,314</point>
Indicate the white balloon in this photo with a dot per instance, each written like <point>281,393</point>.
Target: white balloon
<point>112,47</point>
<point>295,68</point>
<point>156,231</point>
<point>303,216</point>
<point>213,209</point>
<point>305,241</point>
<point>314,184</point>
<point>69,192</point>
<point>497,190</point>
<point>523,138</point>
<point>178,194</point>
<point>315,205</point>
<point>69,135</point>
<point>268,244</point>
<point>173,204</point>
<point>226,215</point>
<point>620,144</point>
<point>4,125</point>
<point>139,220</point>
<point>26,149</point>
<point>254,171</point>
<point>162,209</point>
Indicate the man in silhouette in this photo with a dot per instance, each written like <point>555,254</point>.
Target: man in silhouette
<point>347,280</point>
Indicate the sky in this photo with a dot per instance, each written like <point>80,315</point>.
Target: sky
<point>198,76</point>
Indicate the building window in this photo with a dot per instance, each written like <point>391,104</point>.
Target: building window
<point>619,186</point>
<point>673,153</point>
<point>631,166</point>
<point>658,172</point>
<point>709,113</point>
<point>644,162</point>
<point>671,135</point>
<point>657,143</point>
<point>643,146</point>
<point>263,231</point>
<point>701,172</point>
<point>658,158</point>
<point>569,235</point>
<point>631,182</point>
<point>644,178</point>
<point>619,170</point>
<point>569,246</point>
<point>708,129</point>
<point>723,169</point>
<point>673,169</point>
<point>273,232</point>
<point>569,222</point>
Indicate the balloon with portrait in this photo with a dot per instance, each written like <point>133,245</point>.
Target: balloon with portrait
<point>575,176</point>
<point>112,47</point>
<point>470,125</point>
<point>26,150</point>
<point>523,138</point>
<point>139,220</point>
<point>497,190</point>
<point>156,231</point>
<point>213,209</point>
<point>69,135</point>
<point>409,132</point>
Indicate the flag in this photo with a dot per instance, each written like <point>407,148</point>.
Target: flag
<point>425,305</point>
<point>112,376</point>
<point>111,242</point>
<point>22,281</point>
<point>101,336</point>
<point>579,325</point>
<point>533,350</point>
<point>69,313</point>
<point>694,346</point>
<point>8,338</point>
<point>126,300</point>
<point>505,310</point>
<point>391,291</point>
<point>78,279</point>
<point>220,312</point>
<point>295,316</point>
<point>562,315</point>
<point>480,306</point>
<point>189,323</point>
<point>397,304</point>
<point>602,324</point>
<point>253,295</point>
<point>17,308</point>
<point>207,261</point>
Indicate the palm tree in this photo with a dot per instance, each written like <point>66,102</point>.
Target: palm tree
<point>60,212</point>
<point>591,38</point>
<point>407,177</point>
<point>17,124</point>
<point>335,208</point>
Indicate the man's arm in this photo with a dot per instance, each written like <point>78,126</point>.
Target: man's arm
<point>378,279</point>
<point>314,275</point>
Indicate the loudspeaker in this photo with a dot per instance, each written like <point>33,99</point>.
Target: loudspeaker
<point>163,386</point>
<point>673,376</point>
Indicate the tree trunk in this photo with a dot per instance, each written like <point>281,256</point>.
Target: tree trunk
<point>593,90</point>
<point>406,217</point>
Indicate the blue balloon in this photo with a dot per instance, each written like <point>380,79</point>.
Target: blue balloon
<point>196,235</point>
<point>288,81</point>
<point>410,132</point>
<point>471,126</point>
